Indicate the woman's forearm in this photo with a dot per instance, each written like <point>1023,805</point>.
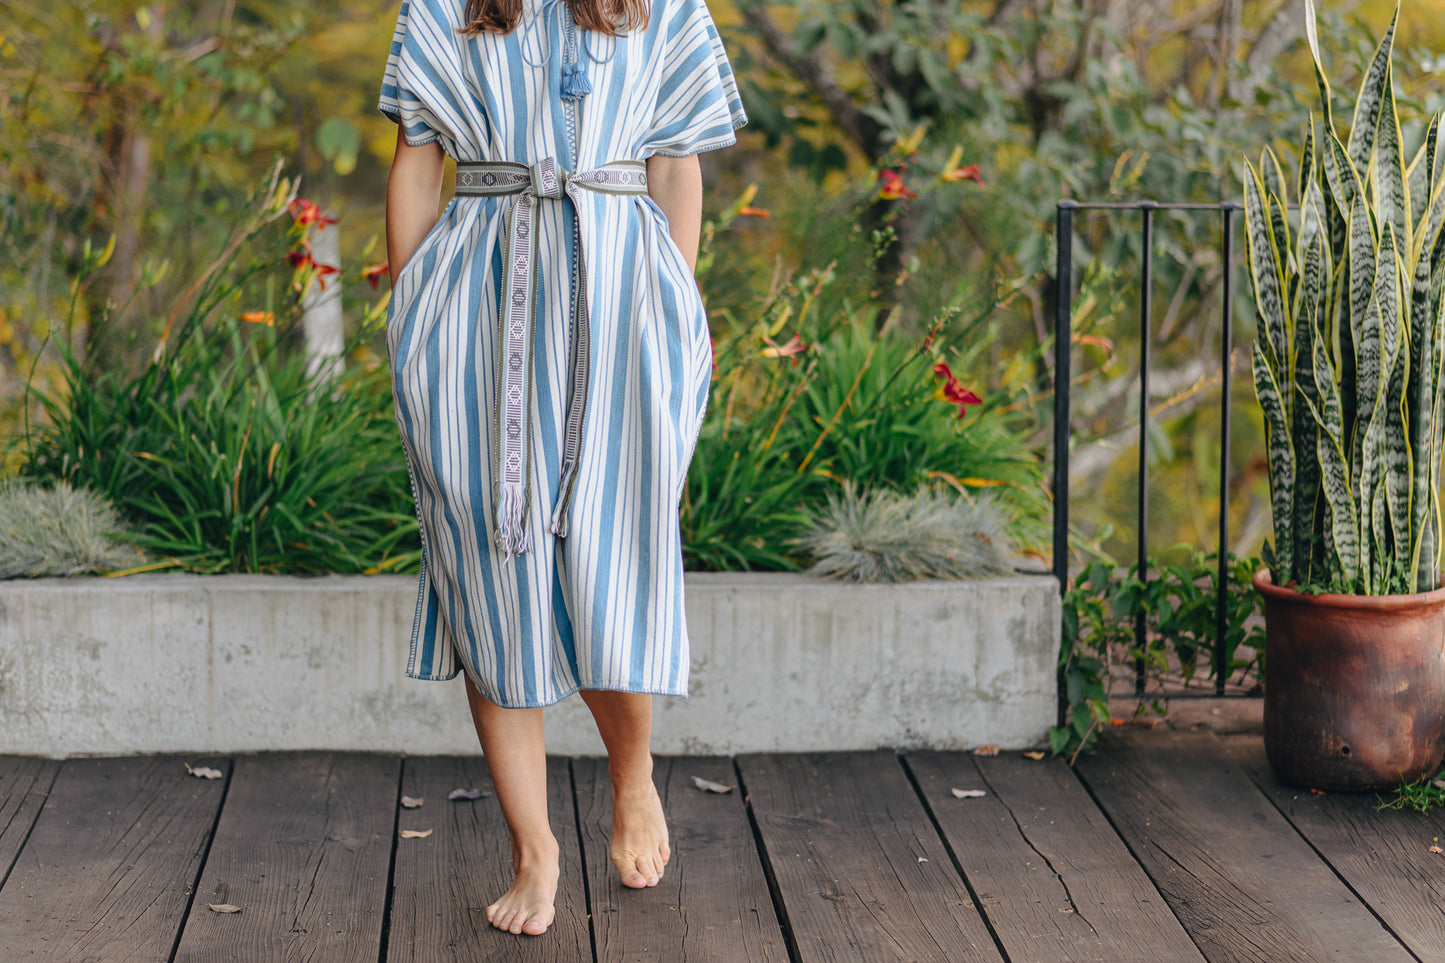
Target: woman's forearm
<point>675,184</point>
<point>412,192</point>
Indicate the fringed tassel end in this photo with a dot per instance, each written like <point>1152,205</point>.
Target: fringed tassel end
<point>575,84</point>
<point>563,511</point>
<point>559,521</point>
<point>512,536</point>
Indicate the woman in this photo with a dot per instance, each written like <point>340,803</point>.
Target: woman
<point>550,359</point>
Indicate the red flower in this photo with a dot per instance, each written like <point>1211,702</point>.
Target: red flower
<point>307,213</point>
<point>268,318</point>
<point>792,349</point>
<point>301,259</point>
<point>375,272</point>
<point>754,212</point>
<point>968,173</point>
<point>893,188</point>
<point>953,391</point>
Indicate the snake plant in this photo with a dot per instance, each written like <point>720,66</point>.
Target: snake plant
<point>1347,361</point>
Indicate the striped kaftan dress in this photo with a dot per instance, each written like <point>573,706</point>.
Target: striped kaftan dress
<point>562,568</point>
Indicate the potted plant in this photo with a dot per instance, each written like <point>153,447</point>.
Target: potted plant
<point>1347,369</point>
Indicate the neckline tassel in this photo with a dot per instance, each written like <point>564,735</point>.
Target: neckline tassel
<point>575,84</point>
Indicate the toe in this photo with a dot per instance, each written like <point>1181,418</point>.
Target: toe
<point>536,926</point>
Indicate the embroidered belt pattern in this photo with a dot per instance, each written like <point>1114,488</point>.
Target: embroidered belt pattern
<point>511,464</point>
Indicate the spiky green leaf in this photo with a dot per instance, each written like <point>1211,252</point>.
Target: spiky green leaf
<point>1265,269</point>
<point>1392,188</point>
<point>1281,465</point>
<point>1368,103</point>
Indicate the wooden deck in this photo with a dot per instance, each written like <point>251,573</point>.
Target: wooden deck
<point>1164,846</point>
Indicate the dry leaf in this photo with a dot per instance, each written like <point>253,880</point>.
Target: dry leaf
<point>969,793</point>
<point>923,859</point>
<point>456,794</point>
<point>407,802</point>
<point>1147,723</point>
<point>986,751</point>
<point>224,908</point>
<point>1034,755</point>
<point>1438,783</point>
<point>415,833</point>
<point>707,785</point>
<point>1436,849</point>
<point>203,772</point>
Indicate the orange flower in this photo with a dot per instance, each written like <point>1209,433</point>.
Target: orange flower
<point>893,188</point>
<point>968,173</point>
<point>953,391</point>
<point>307,213</point>
<point>268,318</point>
<point>754,212</point>
<point>792,349</point>
<point>375,272</point>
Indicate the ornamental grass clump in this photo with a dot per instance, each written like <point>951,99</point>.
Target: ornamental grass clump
<point>887,536</point>
<point>1347,365</point>
<point>60,530</point>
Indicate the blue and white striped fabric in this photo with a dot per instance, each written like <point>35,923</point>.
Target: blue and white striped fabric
<point>601,608</point>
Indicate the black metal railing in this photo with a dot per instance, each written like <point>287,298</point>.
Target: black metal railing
<point>1063,351</point>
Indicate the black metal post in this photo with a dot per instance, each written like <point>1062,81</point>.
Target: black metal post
<point>1146,304</point>
<point>1063,351</point>
<point>1221,609</point>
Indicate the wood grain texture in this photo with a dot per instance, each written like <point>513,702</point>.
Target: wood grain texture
<point>443,884</point>
<point>862,873</point>
<point>1383,854</point>
<point>1237,875</point>
<point>303,846</point>
<point>1051,875</point>
<point>109,866</point>
<point>24,786</point>
<point>712,904</point>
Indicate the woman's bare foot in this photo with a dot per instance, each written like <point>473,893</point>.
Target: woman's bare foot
<point>639,847</point>
<point>527,906</point>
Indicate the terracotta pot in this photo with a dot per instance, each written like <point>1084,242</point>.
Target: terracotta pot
<point>1354,693</point>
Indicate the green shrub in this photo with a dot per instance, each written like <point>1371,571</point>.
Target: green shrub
<point>224,451</point>
<point>880,535</point>
<point>60,530</point>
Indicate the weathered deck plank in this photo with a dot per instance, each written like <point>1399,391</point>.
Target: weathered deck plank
<point>712,905</point>
<point>862,873</point>
<point>442,885</point>
<point>1383,854</point>
<point>1053,877</point>
<point>303,846</point>
<point>24,786</point>
<point>1238,876</point>
<point>108,869</point>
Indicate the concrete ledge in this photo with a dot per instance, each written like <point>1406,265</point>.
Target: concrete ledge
<point>780,663</point>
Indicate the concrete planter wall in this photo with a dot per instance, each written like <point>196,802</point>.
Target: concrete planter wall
<point>237,663</point>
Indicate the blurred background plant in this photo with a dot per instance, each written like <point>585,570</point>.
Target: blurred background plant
<point>60,530</point>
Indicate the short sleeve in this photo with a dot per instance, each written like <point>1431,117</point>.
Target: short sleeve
<point>698,107</point>
<point>400,100</point>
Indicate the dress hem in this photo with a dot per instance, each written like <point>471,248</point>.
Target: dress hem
<point>538,704</point>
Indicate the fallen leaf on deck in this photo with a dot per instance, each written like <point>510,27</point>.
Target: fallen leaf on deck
<point>415,833</point>
<point>707,785</point>
<point>969,793</point>
<point>407,802</point>
<point>203,772</point>
<point>1034,755</point>
<point>986,751</point>
<point>456,794</point>
<point>1147,723</point>
<point>923,859</point>
<point>1436,849</point>
<point>1318,792</point>
<point>223,908</point>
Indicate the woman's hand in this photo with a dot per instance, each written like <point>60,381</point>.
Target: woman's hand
<point>675,184</point>
<point>413,191</point>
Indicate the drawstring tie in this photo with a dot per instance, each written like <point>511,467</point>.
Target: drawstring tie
<point>512,417</point>
<point>575,82</point>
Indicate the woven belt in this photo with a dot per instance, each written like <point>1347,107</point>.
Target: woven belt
<point>512,428</point>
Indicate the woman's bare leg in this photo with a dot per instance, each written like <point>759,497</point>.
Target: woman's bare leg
<point>639,829</point>
<point>512,742</point>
